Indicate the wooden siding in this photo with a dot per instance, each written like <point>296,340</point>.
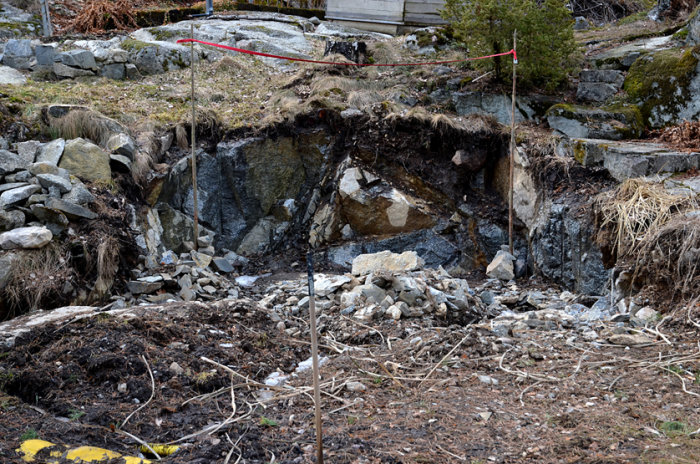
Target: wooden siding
<point>399,12</point>
<point>366,10</point>
<point>423,12</point>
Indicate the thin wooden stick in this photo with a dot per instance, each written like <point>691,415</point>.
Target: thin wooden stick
<point>314,360</point>
<point>444,358</point>
<point>512,154</point>
<point>195,204</point>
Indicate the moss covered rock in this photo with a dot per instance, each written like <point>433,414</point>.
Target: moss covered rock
<point>614,122</point>
<point>666,86</point>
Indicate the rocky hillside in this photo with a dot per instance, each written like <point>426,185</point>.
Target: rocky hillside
<point>165,286</point>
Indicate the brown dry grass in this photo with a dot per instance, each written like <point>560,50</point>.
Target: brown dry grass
<point>84,123</point>
<point>38,276</point>
<point>101,15</point>
<point>652,234</point>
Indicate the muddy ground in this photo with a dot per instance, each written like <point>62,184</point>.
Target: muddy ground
<point>555,401</point>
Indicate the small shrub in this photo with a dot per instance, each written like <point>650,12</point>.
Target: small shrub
<point>101,15</point>
<point>546,48</point>
<point>266,422</point>
<point>29,434</point>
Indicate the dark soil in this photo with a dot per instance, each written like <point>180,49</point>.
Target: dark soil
<point>598,403</point>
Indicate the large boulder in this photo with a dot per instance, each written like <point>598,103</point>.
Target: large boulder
<point>243,185</point>
<point>666,86</point>
<point>611,122</point>
<point>25,237</point>
<point>386,261</point>
<point>18,53</point>
<point>371,207</point>
<point>86,160</point>
<point>156,57</point>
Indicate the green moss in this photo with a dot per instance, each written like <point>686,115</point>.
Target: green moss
<point>579,152</point>
<point>662,79</point>
<point>132,45</point>
<point>681,34</point>
<point>162,34</point>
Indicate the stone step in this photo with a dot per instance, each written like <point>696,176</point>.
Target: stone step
<point>625,160</point>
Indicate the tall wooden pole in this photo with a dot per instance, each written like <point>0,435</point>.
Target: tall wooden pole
<point>314,359</point>
<point>194,154</point>
<point>512,153</point>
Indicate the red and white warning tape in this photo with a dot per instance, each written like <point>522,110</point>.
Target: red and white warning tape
<point>289,58</point>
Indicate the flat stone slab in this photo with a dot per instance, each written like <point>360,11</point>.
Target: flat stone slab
<point>625,160</point>
<point>622,57</point>
<point>10,76</point>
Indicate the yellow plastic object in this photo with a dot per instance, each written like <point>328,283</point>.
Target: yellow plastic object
<point>82,454</point>
<point>30,448</point>
<point>90,454</point>
<point>162,450</point>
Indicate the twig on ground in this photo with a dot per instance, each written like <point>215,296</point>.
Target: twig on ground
<point>461,458</point>
<point>522,393</point>
<point>685,390</point>
<point>444,358</point>
<point>153,392</point>
<point>140,442</point>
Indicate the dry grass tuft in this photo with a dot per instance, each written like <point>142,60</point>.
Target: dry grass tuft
<point>181,137</point>
<point>107,266</point>
<point>637,209</point>
<point>101,15</point>
<point>37,278</point>
<point>84,123</point>
<point>652,233</point>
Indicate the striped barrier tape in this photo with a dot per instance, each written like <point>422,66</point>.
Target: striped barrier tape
<point>303,60</point>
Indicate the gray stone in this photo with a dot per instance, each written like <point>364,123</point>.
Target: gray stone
<point>624,56</point>
<point>62,70</point>
<point>624,160</point>
<point>613,123</point>
<point>326,285</point>
<point>138,287</point>
<point>131,71</point>
<point>25,237</point>
<point>28,150</point>
<point>120,163</point>
<point>10,162</point>
<point>222,265</point>
<point>610,76</point>
<point>43,167</point>
<point>501,267</point>
<point>122,144</point>
<point>498,106</point>
<point>629,339</point>
<point>50,180</point>
<point>11,220</point>
<point>13,185</point>
<point>116,71</point>
<point>17,195</point>
<point>581,23</point>
<point>83,59</point>
<point>79,195</point>
<point>86,160</point>
<point>595,91</point>
<point>54,220</point>
<point>236,260</point>
<point>51,153</point>
<point>693,31</point>
<point>10,76</point>
<point>201,260</point>
<point>646,314</point>
<point>72,211</point>
<point>487,298</point>
<point>564,249</point>
<point>45,54</point>
<point>18,53</point>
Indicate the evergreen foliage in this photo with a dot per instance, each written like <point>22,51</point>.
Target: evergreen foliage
<point>546,48</point>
